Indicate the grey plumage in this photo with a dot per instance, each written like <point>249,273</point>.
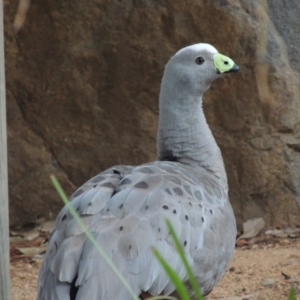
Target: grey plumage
<point>124,207</point>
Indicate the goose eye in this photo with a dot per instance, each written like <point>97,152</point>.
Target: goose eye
<point>200,60</point>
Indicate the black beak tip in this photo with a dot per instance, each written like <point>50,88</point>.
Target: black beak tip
<point>235,68</point>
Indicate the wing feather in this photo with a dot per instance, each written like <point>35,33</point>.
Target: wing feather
<point>125,209</point>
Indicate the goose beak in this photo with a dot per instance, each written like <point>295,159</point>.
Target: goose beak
<point>224,64</point>
<point>235,68</point>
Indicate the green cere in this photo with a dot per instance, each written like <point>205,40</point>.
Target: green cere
<point>223,63</point>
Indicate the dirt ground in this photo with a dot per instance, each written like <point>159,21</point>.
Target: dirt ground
<point>261,269</point>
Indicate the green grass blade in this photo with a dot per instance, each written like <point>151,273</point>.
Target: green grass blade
<point>180,287</point>
<point>180,251</point>
<point>162,298</point>
<point>292,294</point>
<point>89,235</point>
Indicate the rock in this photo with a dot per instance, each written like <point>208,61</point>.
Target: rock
<point>294,235</point>
<point>82,93</point>
<point>284,242</point>
<point>286,276</point>
<point>268,282</point>
<point>277,232</point>
<point>283,233</point>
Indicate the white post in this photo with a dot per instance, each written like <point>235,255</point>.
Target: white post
<point>4,223</point>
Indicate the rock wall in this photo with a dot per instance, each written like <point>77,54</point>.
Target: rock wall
<point>82,88</point>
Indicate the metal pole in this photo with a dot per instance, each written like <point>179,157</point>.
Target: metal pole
<point>4,223</point>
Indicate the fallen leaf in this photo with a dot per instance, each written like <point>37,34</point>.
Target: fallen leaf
<point>46,226</point>
<point>16,238</point>
<point>31,235</point>
<point>241,243</point>
<point>25,235</point>
<point>15,233</point>
<point>252,227</point>
<point>33,250</point>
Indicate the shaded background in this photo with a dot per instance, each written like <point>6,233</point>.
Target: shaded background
<point>83,80</point>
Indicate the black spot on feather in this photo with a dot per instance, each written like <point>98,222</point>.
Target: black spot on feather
<point>141,185</point>
<point>168,191</point>
<point>98,178</point>
<point>124,181</point>
<point>198,195</point>
<point>188,189</point>
<point>178,191</point>
<point>77,193</point>
<point>108,185</point>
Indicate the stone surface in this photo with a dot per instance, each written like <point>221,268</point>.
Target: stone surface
<point>268,282</point>
<point>83,82</point>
